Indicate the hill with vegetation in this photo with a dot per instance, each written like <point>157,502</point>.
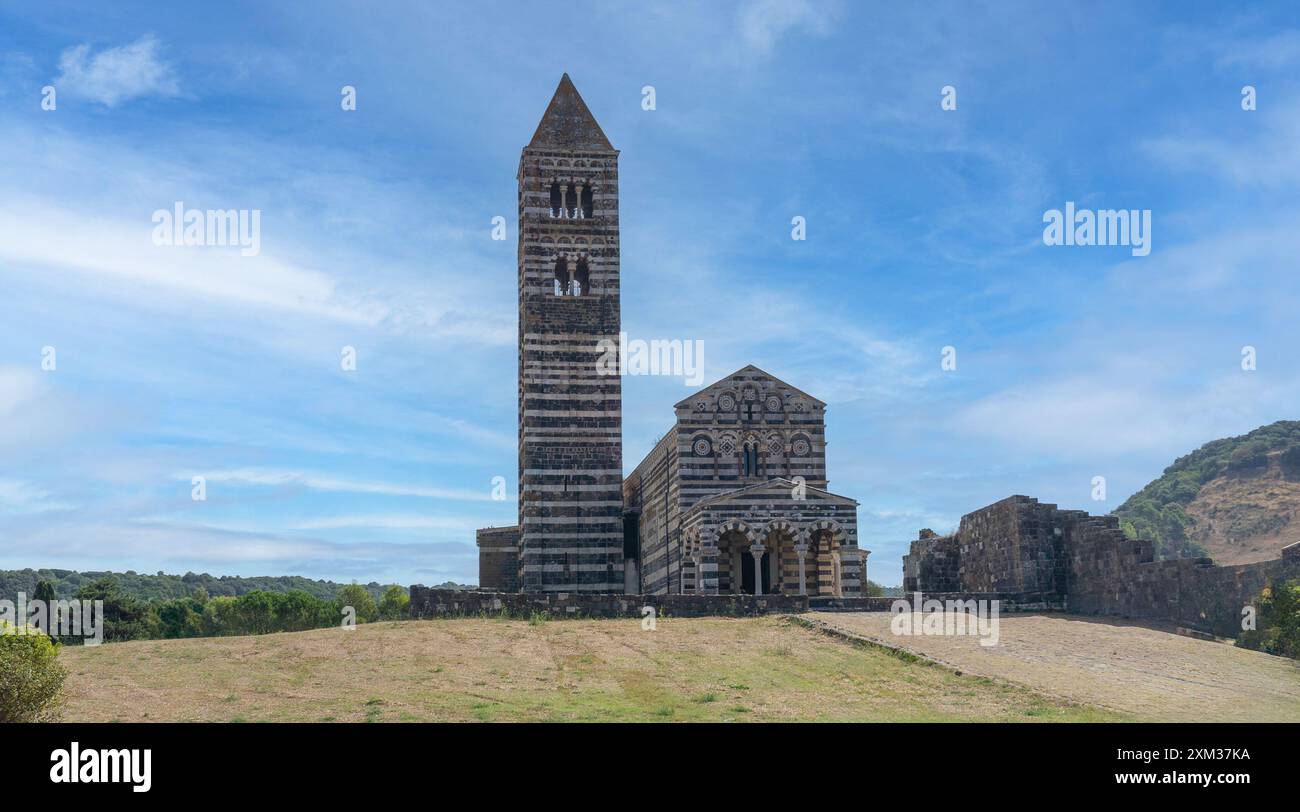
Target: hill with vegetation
<point>1233,499</point>
<point>162,586</point>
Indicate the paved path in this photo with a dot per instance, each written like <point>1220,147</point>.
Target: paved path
<point>1115,664</point>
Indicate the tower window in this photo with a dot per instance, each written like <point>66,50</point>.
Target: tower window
<point>557,200</point>
<point>571,278</point>
<point>561,274</point>
<point>586,202</point>
<point>581,278</point>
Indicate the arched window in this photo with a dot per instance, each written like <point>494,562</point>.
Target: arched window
<point>582,278</point>
<point>586,201</point>
<point>749,459</point>
<point>557,202</point>
<point>561,276</point>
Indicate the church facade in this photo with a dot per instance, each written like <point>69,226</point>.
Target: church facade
<point>732,500</point>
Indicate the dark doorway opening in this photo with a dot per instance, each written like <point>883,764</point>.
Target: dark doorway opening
<point>747,573</point>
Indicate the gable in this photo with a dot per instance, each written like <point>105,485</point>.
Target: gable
<point>750,379</point>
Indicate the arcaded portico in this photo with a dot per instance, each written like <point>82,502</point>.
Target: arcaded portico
<point>777,537</point>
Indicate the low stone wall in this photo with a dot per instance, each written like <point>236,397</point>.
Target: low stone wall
<point>430,603</point>
<point>1190,592</point>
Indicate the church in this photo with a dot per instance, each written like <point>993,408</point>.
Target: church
<point>732,500</point>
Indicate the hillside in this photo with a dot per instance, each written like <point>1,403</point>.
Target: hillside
<point>478,669</point>
<point>163,587</point>
<point>1234,499</point>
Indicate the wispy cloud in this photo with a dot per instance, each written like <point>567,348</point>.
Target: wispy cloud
<point>114,75</point>
<point>764,22</point>
<point>319,482</point>
<point>17,496</point>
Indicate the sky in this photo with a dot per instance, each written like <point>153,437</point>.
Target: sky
<point>129,368</point>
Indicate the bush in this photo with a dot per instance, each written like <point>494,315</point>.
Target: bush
<point>1290,460</point>
<point>31,678</point>
<point>394,604</point>
<point>1277,622</point>
<point>360,599</point>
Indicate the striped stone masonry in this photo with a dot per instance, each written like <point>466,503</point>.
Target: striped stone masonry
<point>731,501</point>
<point>744,465</point>
<point>570,415</point>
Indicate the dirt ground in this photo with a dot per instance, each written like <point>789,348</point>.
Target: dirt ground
<point>702,669</point>
<point>1149,673</point>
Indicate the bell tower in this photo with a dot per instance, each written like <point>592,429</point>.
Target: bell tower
<point>570,407</point>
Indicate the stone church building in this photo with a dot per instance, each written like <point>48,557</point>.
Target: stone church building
<point>733,499</point>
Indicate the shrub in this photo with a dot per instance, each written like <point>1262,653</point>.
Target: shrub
<point>394,603</point>
<point>1290,460</point>
<point>360,599</point>
<point>1277,622</point>
<point>31,678</point>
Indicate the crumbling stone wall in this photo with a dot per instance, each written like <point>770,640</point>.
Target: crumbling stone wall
<point>932,561</point>
<point>1084,564</point>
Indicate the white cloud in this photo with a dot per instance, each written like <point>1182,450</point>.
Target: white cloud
<point>764,22</point>
<point>17,496</point>
<point>1267,158</point>
<point>458,524</point>
<point>123,252</point>
<point>115,75</point>
<point>1119,412</point>
<point>318,482</point>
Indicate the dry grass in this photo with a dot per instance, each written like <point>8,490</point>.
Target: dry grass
<point>1129,668</point>
<point>708,669</point>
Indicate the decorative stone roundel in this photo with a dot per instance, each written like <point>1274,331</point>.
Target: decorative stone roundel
<point>726,402</point>
<point>773,403</point>
<point>800,447</point>
<point>702,447</point>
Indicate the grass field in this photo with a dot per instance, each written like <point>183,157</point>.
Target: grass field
<point>705,669</point>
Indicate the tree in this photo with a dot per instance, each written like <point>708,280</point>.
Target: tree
<point>360,599</point>
<point>393,604</point>
<point>45,592</point>
<point>125,617</point>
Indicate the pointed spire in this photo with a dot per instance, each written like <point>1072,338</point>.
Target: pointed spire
<point>568,124</point>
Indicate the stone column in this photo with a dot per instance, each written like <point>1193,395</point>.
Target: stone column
<point>757,551</point>
<point>577,201</point>
<point>707,575</point>
<point>564,200</point>
<point>802,551</point>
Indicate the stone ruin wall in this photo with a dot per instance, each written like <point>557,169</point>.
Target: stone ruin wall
<point>1084,564</point>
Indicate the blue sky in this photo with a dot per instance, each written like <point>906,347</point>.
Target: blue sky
<point>924,231</point>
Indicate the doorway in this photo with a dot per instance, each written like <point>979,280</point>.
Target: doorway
<point>747,572</point>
